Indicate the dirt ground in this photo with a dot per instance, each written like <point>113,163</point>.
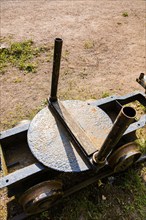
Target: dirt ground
<point>104,45</point>
<point>106,51</point>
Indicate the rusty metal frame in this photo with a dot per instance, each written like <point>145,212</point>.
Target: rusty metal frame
<point>14,181</point>
<point>20,133</point>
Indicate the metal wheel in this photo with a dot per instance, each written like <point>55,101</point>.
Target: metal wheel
<point>41,196</point>
<point>124,156</point>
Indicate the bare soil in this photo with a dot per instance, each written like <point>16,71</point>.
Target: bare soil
<point>103,52</point>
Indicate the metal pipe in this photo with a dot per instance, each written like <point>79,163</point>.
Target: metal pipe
<point>56,67</point>
<point>122,122</point>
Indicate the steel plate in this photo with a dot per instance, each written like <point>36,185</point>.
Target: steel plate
<point>49,142</point>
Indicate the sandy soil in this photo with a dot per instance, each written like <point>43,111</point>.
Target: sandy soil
<point>113,62</point>
<point>105,50</point>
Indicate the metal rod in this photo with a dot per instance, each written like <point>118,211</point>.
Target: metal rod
<point>105,172</point>
<point>56,67</point>
<point>122,122</point>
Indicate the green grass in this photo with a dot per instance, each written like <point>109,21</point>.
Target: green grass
<point>65,54</point>
<point>20,113</point>
<point>132,181</point>
<point>21,55</point>
<point>17,80</point>
<point>124,199</point>
<point>125,14</point>
<point>142,144</point>
<point>105,94</point>
<point>89,44</point>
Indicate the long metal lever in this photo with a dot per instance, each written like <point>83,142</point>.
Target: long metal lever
<point>56,67</point>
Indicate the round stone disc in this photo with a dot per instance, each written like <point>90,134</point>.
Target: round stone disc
<point>50,144</point>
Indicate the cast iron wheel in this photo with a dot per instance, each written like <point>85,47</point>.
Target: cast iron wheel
<point>124,157</point>
<point>41,196</point>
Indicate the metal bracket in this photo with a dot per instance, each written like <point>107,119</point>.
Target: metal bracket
<point>80,138</point>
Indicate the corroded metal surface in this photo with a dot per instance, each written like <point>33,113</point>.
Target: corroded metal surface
<point>125,117</point>
<point>124,157</point>
<point>75,130</point>
<point>50,144</point>
<point>41,196</point>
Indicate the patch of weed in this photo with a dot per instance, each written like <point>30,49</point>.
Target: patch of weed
<point>139,106</point>
<point>132,181</point>
<point>83,74</point>
<point>44,216</point>
<point>125,14</point>
<point>80,206</point>
<point>44,103</point>
<point>49,56</point>
<point>67,72</point>
<point>88,44</point>
<point>142,144</point>
<point>21,55</point>
<point>29,67</point>
<point>17,80</point>
<point>105,94</point>
<point>66,54</point>
<point>18,114</point>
